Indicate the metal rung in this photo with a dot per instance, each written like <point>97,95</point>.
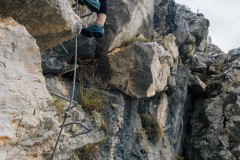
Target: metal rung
<point>87,15</point>
<point>65,98</point>
<point>72,123</point>
<point>81,133</point>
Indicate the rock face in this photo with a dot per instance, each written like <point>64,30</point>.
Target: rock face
<point>214,125</point>
<point>27,121</point>
<point>172,95</point>
<point>164,15</point>
<point>141,69</point>
<point>125,22</point>
<point>49,22</point>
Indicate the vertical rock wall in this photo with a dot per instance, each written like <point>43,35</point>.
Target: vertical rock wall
<point>27,121</point>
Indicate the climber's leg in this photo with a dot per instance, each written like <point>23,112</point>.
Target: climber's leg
<point>93,5</point>
<point>97,29</point>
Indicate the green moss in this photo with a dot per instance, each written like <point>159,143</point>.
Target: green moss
<point>132,40</point>
<point>153,129</point>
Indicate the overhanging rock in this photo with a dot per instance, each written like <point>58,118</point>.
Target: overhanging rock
<point>49,22</point>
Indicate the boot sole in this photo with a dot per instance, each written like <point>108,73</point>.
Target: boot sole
<point>91,34</point>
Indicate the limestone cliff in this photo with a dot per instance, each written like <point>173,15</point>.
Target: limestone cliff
<point>153,88</point>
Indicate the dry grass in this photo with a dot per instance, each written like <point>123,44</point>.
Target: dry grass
<point>236,83</point>
<point>140,133</point>
<point>152,127</point>
<point>219,66</point>
<point>91,93</point>
<point>132,40</point>
<point>59,105</point>
<point>91,99</point>
<point>89,150</point>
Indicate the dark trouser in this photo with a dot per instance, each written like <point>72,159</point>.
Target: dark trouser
<point>103,7</point>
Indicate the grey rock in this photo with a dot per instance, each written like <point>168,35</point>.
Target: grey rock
<point>236,63</point>
<point>199,29</point>
<point>182,32</point>
<point>164,15</point>
<point>214,49</point>
<point>219,64</point>
<point>190,40</point>
<point>54,59</point>
<point>196,85</point>
<point>234,54</point>
<point>200,62</point>
<point>50,63</point>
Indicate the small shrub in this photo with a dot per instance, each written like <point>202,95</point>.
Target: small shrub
<point>140,133</point>
<point>91,98</point>
<point>130,41</point>
<point>98,121</point>
<point>146,149</point>
<point>219,66</point>
<point>232,137</point>
<point>87,152</point>
<point>153,129</point>
<point>226,130</point>
<point>180,158</point>
<point>73,156</point>
<point>91,89</point>
<point>236,83</point>
<point>59,105</point>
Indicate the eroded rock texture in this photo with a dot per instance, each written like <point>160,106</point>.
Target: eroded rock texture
<point>148,60</point>
<point>174,96</point>
<point>49,22</point>
<point>28,125</point>
<point>125,22</point>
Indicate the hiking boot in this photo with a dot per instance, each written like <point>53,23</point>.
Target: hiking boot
<point>94,30</point>
<point>93,5</point>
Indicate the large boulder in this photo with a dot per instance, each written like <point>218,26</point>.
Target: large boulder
<point>141,69</point>
<point>234,54</point>
<point>28,126</point>
<point>49,22</point>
